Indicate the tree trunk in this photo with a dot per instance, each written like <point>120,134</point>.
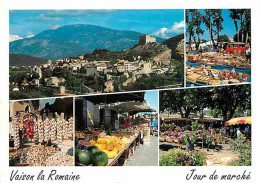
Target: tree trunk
<point>212,39</point>
<point>237,31</point>
<point>198,41</point>
<point>242,27</point>
<point>246,37</point>
<point>190,40</point>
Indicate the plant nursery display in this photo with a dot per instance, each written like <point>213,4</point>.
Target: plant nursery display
<point>115,127</point>
<point>41,133</point>
<point>200,134</point>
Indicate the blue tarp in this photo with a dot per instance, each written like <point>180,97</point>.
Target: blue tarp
<point>155,123</point>
<point>222,67</point>
<point>188,84</point>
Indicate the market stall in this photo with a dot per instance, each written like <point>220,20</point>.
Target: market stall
<point>241,124</point>
<point>212,68</point>
<point>40,136</point>
<point>112,132</point>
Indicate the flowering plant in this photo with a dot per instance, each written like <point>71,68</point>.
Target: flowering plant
<point>179,157</point>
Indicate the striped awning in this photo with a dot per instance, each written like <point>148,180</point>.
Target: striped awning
<point>240,120</point>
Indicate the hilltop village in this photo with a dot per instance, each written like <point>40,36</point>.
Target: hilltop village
<point>148,62</point>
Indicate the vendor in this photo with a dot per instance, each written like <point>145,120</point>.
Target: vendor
<point>248,53</point>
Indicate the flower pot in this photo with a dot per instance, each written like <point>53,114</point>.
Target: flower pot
<point>190,147</point>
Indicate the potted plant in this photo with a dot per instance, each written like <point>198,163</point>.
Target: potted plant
<point>189,141</point>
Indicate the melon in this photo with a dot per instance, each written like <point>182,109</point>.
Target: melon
<point>93,149</point>
<point>85,157</point>
<point>110,147</point>
<point>106,151</point>
<point>112,154</point>
<point>102,147</point>
<point>101,141</point>
<point>92,142</point>
<point>100,159</point>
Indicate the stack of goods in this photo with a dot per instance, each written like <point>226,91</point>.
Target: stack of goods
<point>60,159</point>
<point>39,155</point>
<point>192,77</point>
<point>98,152</point>
<point>204,79</point>
<point>225,68</point>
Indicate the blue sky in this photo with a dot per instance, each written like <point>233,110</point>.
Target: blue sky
<point>228,25</point>
<point>152,98</point>
<point>162,23</point>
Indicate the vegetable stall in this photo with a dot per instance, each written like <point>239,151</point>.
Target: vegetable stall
<point>41,133</point>
<point>110,127</point>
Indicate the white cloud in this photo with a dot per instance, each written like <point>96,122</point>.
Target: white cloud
<point>30,35</point>
<point>161,32</point>
<point>14,38</point>
<point>44,17</point>
<point>177,28</point>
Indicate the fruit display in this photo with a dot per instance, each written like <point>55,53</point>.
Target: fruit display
<point>98,152</point>
<point>91,156</point>
<point>84,157</point>
<point>100,159</point>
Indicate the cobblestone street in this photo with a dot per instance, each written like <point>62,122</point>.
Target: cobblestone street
<point>145,155</point>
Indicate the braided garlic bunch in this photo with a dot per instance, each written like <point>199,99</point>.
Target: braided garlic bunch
<point>47,129</point>
<point>35,130</point>
<point>60,130</point>
<point>16,133</point>
<point>71,127</point>
<point>66,130</point>
<point>53,131</point>
<point>41,130</point>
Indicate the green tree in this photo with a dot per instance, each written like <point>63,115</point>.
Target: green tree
<point>190,25</point>
<point>60,72</point>
<point>185,101</point>
<point>198,17</point>
<point>46,73</point>
<point>224,38</point>
<point>213,21</point>
<point>228,99</point>
<point>75,84</point>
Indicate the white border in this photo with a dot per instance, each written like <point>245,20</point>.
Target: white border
<point>127,174</point>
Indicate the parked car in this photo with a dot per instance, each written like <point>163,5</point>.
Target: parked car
<point>236,47</point>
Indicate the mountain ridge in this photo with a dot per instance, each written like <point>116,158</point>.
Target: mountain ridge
<point>76,39</point>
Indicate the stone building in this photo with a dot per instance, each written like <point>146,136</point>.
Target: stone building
<point>52,81</point>
<point>146,39</point>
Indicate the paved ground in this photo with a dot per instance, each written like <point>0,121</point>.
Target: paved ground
<point>223,157</point>
<point>145,155</point>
